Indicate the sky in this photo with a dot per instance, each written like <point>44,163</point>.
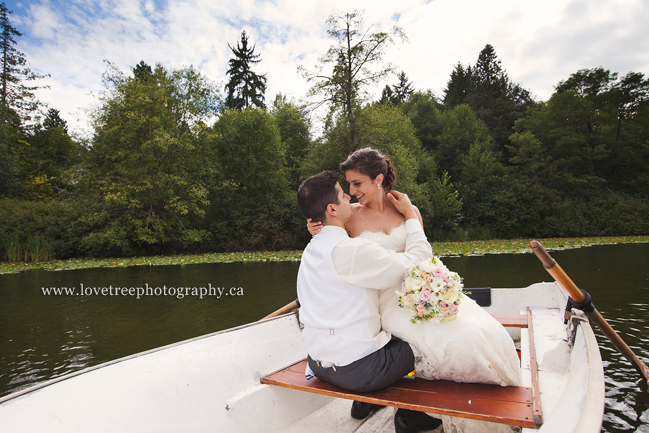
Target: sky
<point>538,42</point>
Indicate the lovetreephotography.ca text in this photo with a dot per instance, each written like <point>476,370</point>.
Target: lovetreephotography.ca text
<point>147,290</point>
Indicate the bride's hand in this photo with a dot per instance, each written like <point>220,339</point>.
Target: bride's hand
<point>402,203</point>
<point>313,227</point>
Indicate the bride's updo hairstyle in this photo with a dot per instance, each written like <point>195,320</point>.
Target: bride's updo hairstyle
<point>371,162</point>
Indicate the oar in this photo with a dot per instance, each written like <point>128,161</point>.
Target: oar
<point>285,309</point>
<point>579,297</point>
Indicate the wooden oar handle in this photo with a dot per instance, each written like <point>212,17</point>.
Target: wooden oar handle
<point>285,309</point>
<point>557,273</point>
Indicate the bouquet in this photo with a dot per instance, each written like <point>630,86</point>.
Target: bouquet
<point>431,292</point>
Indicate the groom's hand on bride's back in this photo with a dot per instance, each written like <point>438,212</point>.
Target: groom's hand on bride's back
<point>402,203</point>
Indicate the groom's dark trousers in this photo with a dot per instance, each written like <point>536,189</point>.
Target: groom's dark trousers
<point>373,372</point>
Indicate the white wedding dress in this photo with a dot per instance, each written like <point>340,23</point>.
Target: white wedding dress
<point>473,348</point>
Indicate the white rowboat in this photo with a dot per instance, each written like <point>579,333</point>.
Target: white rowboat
<point>212,383</point>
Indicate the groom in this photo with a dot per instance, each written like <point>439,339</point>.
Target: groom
<point>338,287</point>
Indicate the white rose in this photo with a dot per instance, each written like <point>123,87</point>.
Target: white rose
<point>427,266</point>
<point>450,296</point>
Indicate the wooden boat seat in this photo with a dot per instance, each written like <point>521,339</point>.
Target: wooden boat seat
<point>506,405</point>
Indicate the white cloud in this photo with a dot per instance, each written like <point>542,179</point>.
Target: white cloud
<point>539,43</point>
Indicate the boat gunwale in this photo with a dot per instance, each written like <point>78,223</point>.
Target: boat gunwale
<point>594,404</point>
<point>70,375</point>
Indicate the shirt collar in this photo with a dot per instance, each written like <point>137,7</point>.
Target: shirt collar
<point>336,229</point>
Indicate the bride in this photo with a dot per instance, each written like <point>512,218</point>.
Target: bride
<point>472,348</point>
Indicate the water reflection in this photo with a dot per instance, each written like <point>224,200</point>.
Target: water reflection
<point>42,337</point>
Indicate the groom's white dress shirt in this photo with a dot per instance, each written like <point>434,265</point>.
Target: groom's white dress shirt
<point>338,283</point>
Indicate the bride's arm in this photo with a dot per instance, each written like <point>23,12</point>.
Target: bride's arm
<point>421,221</point>
<point>313,227</point>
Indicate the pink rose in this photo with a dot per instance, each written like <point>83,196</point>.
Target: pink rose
<point>453,309</point>
<point>420,308</point>
<point>438,271</point>
<point>442,304</point>
<point>424,295</point>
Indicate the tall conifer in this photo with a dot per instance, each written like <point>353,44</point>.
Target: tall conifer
<point>14,94</point>
<point>245,87</point>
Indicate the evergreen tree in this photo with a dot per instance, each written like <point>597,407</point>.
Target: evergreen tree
<point>53,120</point>
<point>10,174</point>
<point>13,92</point>
<point>495,99</point>
<point>142,71</point>
<point>387,96</point>
<point>459,86</point>
<point>245,87</point>
<point>403,89</point>
<point>399,93</point>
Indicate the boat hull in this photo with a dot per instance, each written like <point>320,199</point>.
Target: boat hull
<point>211,383</point>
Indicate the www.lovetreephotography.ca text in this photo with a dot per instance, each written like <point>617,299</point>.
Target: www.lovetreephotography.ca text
<point>138,292</point>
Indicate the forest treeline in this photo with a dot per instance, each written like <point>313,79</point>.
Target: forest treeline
<point>176,166</point>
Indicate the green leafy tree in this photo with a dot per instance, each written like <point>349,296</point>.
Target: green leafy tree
<point>461,128</point>
<point>147,162</point>
<point>294,126</point>
<point>251,203</point>
<point>592,131</point>
<point>244,88</point>
<point>423,110</point>
<point>355,63</point>
<point>14,93</point>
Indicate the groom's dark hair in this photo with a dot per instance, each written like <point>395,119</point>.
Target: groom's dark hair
<point>316,193</point>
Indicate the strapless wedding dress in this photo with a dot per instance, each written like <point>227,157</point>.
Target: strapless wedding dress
<point>473,348</point>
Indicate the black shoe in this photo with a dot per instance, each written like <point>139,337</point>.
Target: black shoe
<point>360,409</point>
<point>410,421</point>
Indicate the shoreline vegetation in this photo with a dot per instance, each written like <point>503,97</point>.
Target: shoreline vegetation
<point>442,249</point>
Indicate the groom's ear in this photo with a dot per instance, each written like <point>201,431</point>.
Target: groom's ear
<point>331,210</point>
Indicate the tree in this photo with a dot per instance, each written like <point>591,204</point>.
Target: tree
<point>461,128</point>
<point>294,126</point>
<point>142,71</point>
<point>494,98</point>
<point>53,120</point>
<point>49,157</point>
<point>13,92</point>
<point>147,162</point>
<point>399,93</point>
<point>245,87</point>
<point>355,64</point>
<point>10,173</point>
<point>252,202</point>
<point>459,86</point>
<point>423,110</point>
<point>592,131</point>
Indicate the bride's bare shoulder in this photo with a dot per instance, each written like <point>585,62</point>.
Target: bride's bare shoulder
<point>356,223</point>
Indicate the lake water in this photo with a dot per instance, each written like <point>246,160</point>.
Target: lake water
<point>46,336</point>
